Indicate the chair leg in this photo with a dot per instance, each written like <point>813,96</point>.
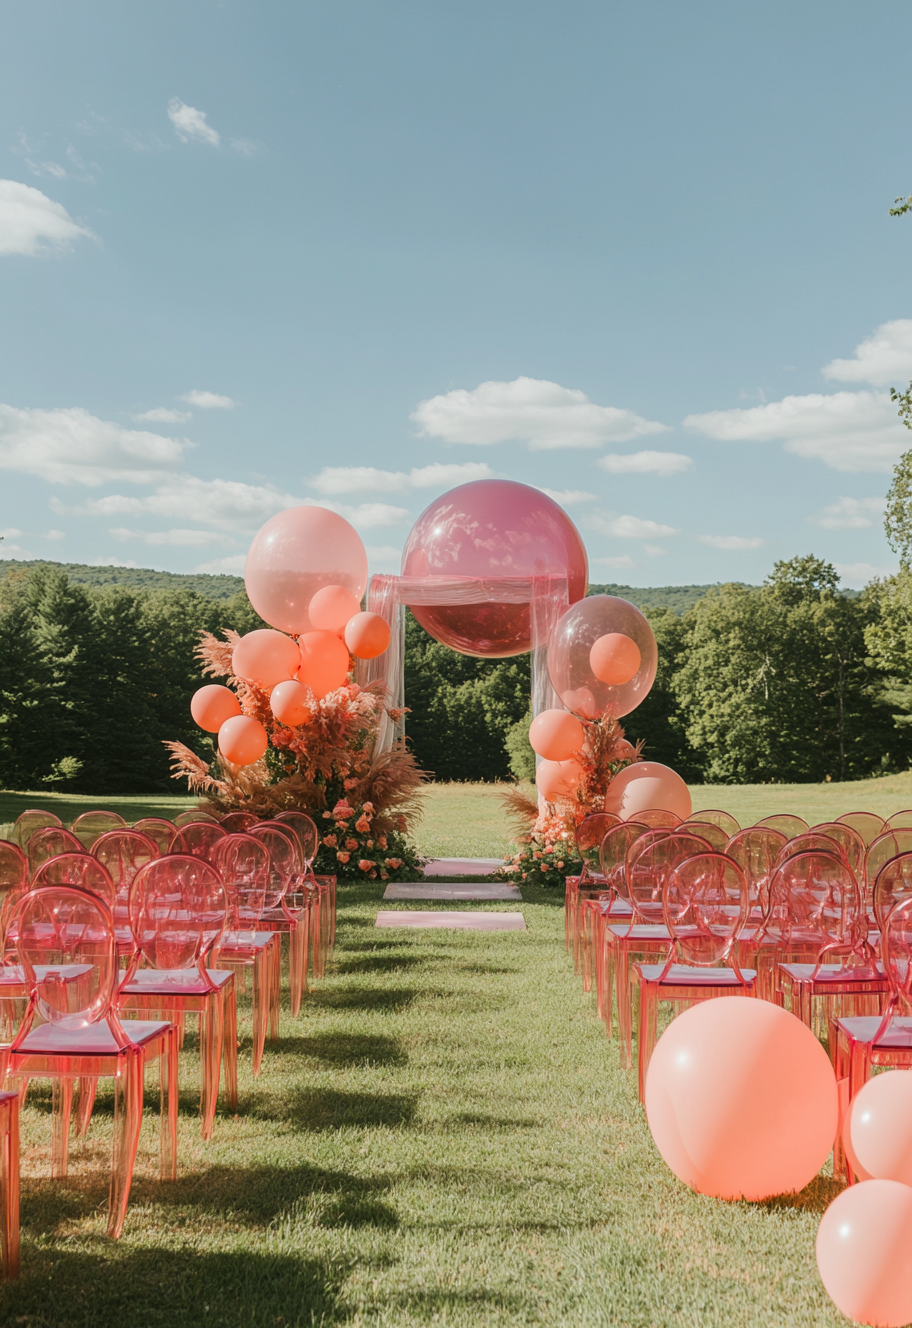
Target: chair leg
<point>84,1104</point>
<point>624,1007</point>
<point>167,1142</point>
<point>297,960</point>
<point>263,969</point>
<point>61,1109</point>
<point>316,928</point>
<point>211,1035</point>
<point>230,1046</point>
<point>646,1034</point>
<point>275,986</point>
<point>9,1190</point>
<point>128,1105</point>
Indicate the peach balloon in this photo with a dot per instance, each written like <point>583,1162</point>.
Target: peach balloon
<point>332,607</point>
<point>265,657</point>
<point>325,662</point>
<point>558,779</point>
<point>864,1252</point>
<point>211,705</point>
<point>556,735</point>
<point>879,1127</point>
<point>615,658</point>
<point>290,703</point>
<point>294,555</point>
<point>646,785</point>
<point>242,740</point>
<point>741,1099</point>
<point>581,701</point>
<point>367,635</point>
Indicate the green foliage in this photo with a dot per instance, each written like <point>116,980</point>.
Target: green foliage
<point>519,748</point>
<point>139,578</point>
<point>904,206</point>
<point>898,509</point>
<point>677,598</point>
<point>542,863</point>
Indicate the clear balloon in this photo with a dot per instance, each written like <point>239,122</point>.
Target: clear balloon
<point>492,528</point>
<point>242,740</point>
<point>864,1252</point>
<point>558,779</point>
<point>297,553</point>
<point>367,635</point>
<point>211,705</point>
<point>290,703</point>
<point>879,1127</point>
<point>646,785</point>
<point>741,1099</point>
<point>325,662</point>
<point>332,607</point>
<point>556,735</point>
<point>614,658</point>
<point>581,631</point>
<point>265,657</point>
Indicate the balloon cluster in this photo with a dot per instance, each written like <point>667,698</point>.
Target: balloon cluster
<point>306,572</point>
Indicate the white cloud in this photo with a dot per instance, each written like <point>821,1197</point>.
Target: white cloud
<point>369,516</point>
<point>645,463</point>
<point>246,146</point>
<point>849,514</point>
<point>627,527</point>
<point>623,561</point>
<point>567,497</point>
<point>358,479</point>
<point>191,124</point>
<point>857,575</point>
<point>732,542</point>
<point>850,431</point>
<point>13,551</point>
<point>70,446</point>
<point>227,503</point>
<point>233,565</point>
<point>654,550</point>
<point>533,410</point>
<point>189,538</point>
<point>208,400</point>
<point>884,358</point>
<point>31,223</point>
<point>54,535</point>
<point>10,533</point>
<point>165,415</point>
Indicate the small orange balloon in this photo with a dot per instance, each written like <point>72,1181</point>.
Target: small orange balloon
<point>265,657</point>
<point>325,662</point>
<point>212,705</point>
<point>289,702</point>
<point>367,635</point>
<point>558,779</point>
<point>556,735</point>
<point>614,658</point>
<point>332,607</point>
<point>242,740</point>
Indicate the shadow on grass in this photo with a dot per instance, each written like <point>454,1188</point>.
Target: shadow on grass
<point>352,1049</point>
<point>484,1122</point>
<point>364,998</point>
<point>814,1198</point>
<point>379,963</point>
<point>319,1109</point>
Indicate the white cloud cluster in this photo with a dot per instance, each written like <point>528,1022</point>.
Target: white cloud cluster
<point>532,410</point>
<point>165,415</point>
<point>645,463</point>
<point>191,125</point>
<point>732,543</point>
<point>71,446</point>
<point>208,400</point>
<point>31,223</point>
<point>849,514</point>
<point>225,504</point>
<point>627,527</point>
<point>857,575</point>
<point>360,479</point>
<point>188,538</point>
<point>884,359</point>
<point>569,497</point>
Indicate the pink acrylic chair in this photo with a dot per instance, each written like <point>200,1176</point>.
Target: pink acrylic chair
<point>14,876</point>
<point>899,821</point>
<point>811,841</point>
<point>9,1183</point>
<point>80,870</point>
<point>282,913</point>
<point>716,836</point>
<point>194,815</point>
<point>28,822</point>
<point>713,816</point>
<point>199,839</point>
<point>891,844</point>
<point>867,824</point>
<point>706,903</point>
<point>160,831</point>
<point>122,853</point>
<point>91,825</point>
<point>178,912</point>
<point>590,883</point>
<point>789,824</point>
<point>585,921</point>
<point>892,886</point>
<point>82,1037</point>
<point>755,850</point>
<point>48,843</point>
<point>656,818</point>
<point>853,847</point>
<point>323,935</point>
<point>238,823</point>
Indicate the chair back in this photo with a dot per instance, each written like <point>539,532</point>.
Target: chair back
<point>755,850</point>
<point>60,925</point>
<point>810,842</point>
<point>899,821</point>
<point>789,825</point>
<point>160,831</point>
<point>613,854</point>
<point>194,814</point>
<point>122,853</point>
<point>89,826</point>
<point>706,903</point>
<point>49,843</point>
<point>284,859</point>
<point>715,835</point>
<point>867,824</point>
<point>656,818</point>
<point>238,823</point>
<point>589,834</point>
<point>815,905</point>
<point>886,846</point>
<point>79,870</point>
<point>178,911</point>
<point>649,868</point>
<point>27,822</point>
<point>850,842</point>
<point>307,833</point>
<point>14,875</point>
<point>712,816</point>
<point>892,886</point>
<point>896,951</point>
<point>199,839</point>
<point>243,864</point>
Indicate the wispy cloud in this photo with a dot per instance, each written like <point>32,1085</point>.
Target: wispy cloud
<point>368,479</point>
<point>627,527</point>
<point>188,538</point>
<point>732,543</point>
<point>191,125</point>
<point>857,575</point>
<point>32,224</point>
<point>849,514</point>
<point>645,463</point>
<point>165,415</point>
<point>569,497</point>
<point>233,565</point>
<point>70,446</point>
<point>621,561</point>
<point>208,400</point>
<point>885,358</point>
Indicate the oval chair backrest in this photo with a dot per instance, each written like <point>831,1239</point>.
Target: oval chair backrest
<point>713,816</point>
<point>238,823</point>
<point>91,825</point>
<point>892,886</point>
<point>867,824</point>
<point>896,950</point>
<point>305,829</point>
<point>50,843</point>
<point>613,854</point>
<point>649,868</point>
<point>243,864</point>
<point>589,834</point>
<point>160,831</point>
<point>79,870</point>
<point>656,818</point>
<point>899,821</point>
<point>788,824</point>
<point>27,822</point>
<point>814,901</point>
<point>706,902</point>
<point>850,841</point>
<point>122,853</point>
<point>284,859</point>
<point>810,842</point>
<point>755,850</point>
<point>192,816</point>
<point>199,839</point>
<point>178,910</point>
<point>715,835</point>
<point>886,846</point>
<point>65,944</point>
<point>14,876</point>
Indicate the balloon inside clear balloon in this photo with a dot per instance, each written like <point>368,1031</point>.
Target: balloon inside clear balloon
<point>570,657</point>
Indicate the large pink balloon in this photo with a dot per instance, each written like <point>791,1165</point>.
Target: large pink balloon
<point>647,785</point>
<point>741,1099</point>
<point>879,1128</point>
<point>242,740</point>
<point>556,735</point>
<point>864,1252</point>
<point>265,657</point>
<point>211,705</point>
<point>295,554</point>
<point>558,779</point>
<point>492,528</point>
<point>582,639</point>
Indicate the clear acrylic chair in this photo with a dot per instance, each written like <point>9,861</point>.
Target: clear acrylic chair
<point>82,1038</point>
<point>91,825</point>
<point>713,816</point>
<point>238,823</point>
<point>706,903</point>
<point>755,850</point>
<point>9,1183</point>
<point>656,818</point>
<point>283,912</point>
<point>199,839</point>
<point>193,815</point>
<point>789,824</point>
<point>891,844</point>
<point>810,841</point>
<point>160,831</point>
<point>50,842</point>
<point>899,821</point>
<point>178,912</point>
<point>590,883</point>
<point>716,836</point>
<point>14,875</point>
<point>867,824</point>
<point>853,847</point>
<point>308,837</point>
<point>31,820</point>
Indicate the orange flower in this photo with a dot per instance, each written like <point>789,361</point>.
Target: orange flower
<point>363,825</point>
<point>365,864</point>
<point>395,863</point>
<point>330,841</point>
<point>351,844</point>
<point>368,806</point>
<point>343,857</point>
<point>382,841</point>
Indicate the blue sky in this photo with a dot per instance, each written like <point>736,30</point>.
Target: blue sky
<point>637,254</point>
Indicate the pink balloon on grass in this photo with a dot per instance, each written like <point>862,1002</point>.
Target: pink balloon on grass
<point>556,735</point>
<point>211,705</point>
<point>297,553</point>
<point>581,631</point>
<point>558,779</point>
<point>290,703</point>
<point>864,1252</point>
<point>332,607</point>
<point>325,662</point>
<point>367,635</point>
<point>878,1128</point>
<point>265,657</point>
<point>647,785</point>
<point>741,1099</point>
<point>242,740</point>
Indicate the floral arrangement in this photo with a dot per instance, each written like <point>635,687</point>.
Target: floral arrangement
<point>363,801</point>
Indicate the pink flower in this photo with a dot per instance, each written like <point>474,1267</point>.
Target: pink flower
<point>536,854</point>
<point>343,857</point>
<point>365,864</point>
<point>382,841</point>
<point>326,815</point>
<point>370,843</point>
<point>349,784</point>
<point>394,863</point>
<point>341,825</point>
<point>368,806</point>
<point>352,844</point>
<point>363,825</point>
<point>560,866</point>
<point>342,808</point>
<point>330,841</point>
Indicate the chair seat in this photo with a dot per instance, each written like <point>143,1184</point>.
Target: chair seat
<point>172,982</point>
<point>835,973</point>
<point>244,940</point>
<point>620,908</point>
<point>682,975</point>
<point>641,931</point>
<point>13,975</point>
<point>862,1028</point>
<point>92,1040</point>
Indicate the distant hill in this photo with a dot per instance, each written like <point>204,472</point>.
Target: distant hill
<point>678,598</point>
<point>141,578</point>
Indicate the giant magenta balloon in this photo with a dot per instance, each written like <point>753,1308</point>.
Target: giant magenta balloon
<point>599,638</point>
<point>645,786</point>
<point>492,528</point>
<point>265,657</point>
<point>878,1128</point>
<point>741,1099</point>
<point>297,553</point>
<point>864,1252</point>
<point>242,740</point>
<point>211,705</point>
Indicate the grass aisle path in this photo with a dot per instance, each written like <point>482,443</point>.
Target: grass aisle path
<point>443,1137</point>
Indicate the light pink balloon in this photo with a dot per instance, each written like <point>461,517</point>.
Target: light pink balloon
<point>741,1099</point>
<point>332,607</point>
<point>211,705</point>
<point>558,779</point>
<point>556,734</point>
<point>647,785</point>
<point>583,637</point>
<point>297,553</point>
<point>879,1127</point>
<point>265,657</point>
<point>290,703</point>
<point>864,1252</point>
<point>242,740</point>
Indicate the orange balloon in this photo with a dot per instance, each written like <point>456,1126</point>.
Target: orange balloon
<point>582,702</point>
<point>367,635</point>
<point>242,740</point>
<point>878,1128</point>
<point>864,1252</point>
<point>265,657</point>
<point>324,662</point>
<point>741,1099</point>
<point>558,779</point>
<point>614,658</point>
<point>332,607</point>
<point>289,702</point>
<point>556,734</point>
<point>647,785</point>
<point>212,705</point>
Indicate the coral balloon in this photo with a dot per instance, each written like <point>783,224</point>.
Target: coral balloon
<point>290,703</point>
<point>647,785</point>
<point>210,706</point>
<point>741,1099</point>
<point>864,1252</point>
<point>578,643</point>
<point>558,779</point>
<point>879,1128</point>
<point>324,662</point>
<point>614,658</point>
<point>492,529</point>
<point>556,734</point>
<point>297,553</point>
<point>332,607</point>
<point>265,657</point>
<point>367,635</point>
<point>242,740</point>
